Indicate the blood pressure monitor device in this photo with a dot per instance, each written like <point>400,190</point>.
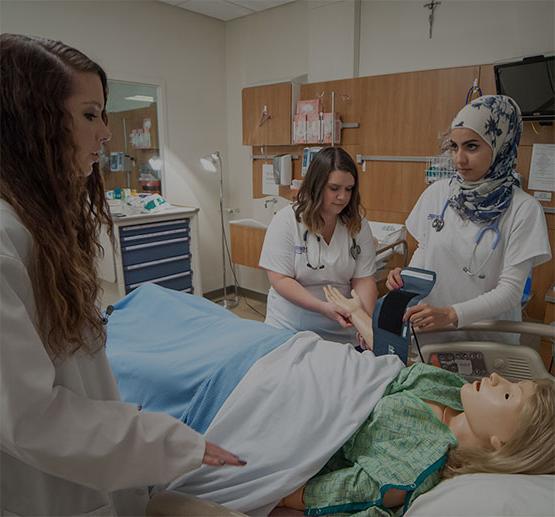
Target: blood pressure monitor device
<point>391,333</point>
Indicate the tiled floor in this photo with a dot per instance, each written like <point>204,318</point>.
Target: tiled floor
<point>248,308</point>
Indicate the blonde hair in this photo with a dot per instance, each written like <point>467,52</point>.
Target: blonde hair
<point>531,450</point>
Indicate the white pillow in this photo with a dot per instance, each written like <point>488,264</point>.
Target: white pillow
<point>488,495</point>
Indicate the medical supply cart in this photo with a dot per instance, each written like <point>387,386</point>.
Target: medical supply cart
<point>158,248</point>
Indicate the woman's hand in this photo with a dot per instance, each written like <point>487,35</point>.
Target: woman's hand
<point>426,317</point>
<point>218,457</point>
<point>394,280</point>
<point>336,313</point>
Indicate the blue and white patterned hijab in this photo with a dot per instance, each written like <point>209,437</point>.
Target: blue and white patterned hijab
<point>497,119</point>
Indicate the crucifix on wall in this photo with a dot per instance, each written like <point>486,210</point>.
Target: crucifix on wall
<point>432,6</point>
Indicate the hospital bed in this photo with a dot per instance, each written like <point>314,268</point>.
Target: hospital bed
<point>491,494</point>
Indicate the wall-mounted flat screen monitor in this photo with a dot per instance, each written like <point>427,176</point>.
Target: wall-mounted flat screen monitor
<point>530,83</point>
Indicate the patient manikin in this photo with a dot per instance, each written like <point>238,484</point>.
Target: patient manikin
<point>492,425</point>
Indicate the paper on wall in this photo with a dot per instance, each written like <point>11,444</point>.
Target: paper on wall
<point>542,168</point>
<point>269,186</point>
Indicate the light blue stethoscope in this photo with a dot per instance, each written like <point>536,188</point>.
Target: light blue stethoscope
<point>354,250</point>
<point>438,222</point>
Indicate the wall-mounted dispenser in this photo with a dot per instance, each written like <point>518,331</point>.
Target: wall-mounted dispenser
<point>283,169</point>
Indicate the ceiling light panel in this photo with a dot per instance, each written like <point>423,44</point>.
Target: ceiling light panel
<point>260,5</point>
<point>216,9</point>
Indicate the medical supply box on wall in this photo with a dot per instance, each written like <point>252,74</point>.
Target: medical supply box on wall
<point>283,169</point>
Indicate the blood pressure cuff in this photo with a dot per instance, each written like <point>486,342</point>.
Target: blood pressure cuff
<point>391,333</point>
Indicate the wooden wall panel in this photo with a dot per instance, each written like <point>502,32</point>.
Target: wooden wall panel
<point>406,114</point>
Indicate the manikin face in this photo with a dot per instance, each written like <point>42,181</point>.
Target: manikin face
<point>89,131</point>
<point>493,407</point>
<point>337,192</point>
<point>470,153</point>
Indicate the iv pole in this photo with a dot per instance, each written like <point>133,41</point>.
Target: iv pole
<point>227,304</point>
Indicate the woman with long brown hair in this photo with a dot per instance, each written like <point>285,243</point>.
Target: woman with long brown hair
<point>67,440</point>
<point>322,239</point>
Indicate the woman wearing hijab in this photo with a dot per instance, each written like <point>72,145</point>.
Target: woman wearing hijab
<point>479,230</point>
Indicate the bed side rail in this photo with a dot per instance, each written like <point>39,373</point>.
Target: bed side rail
<point>516,327</point>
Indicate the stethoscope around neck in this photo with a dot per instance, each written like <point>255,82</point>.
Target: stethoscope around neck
<point>354,250</point>
<point>438,222</point>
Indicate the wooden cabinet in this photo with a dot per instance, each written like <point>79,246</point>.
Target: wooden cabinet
<point>267,114</point>
<point>246,244</point>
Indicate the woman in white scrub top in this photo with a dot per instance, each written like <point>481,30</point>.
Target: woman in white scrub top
<point>479,231</point>
<point>322,239</point>
<point>68,445</point>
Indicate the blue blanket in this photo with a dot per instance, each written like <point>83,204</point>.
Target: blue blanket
<point>182,354</point>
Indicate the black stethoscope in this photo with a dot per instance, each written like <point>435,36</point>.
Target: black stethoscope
<point>354,251</point>
<point>438,222</point>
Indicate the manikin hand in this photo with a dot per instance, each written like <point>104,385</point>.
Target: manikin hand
<point>425,317</point>
<point>218,457</point>
<point>349,304</point>
<point>359,317</point>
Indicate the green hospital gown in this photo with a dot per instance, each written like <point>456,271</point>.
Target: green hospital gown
<point>401,445</point>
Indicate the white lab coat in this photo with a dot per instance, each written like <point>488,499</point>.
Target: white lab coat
<point>523,240</point>
<point>66,441</point>
<point>285,251</point>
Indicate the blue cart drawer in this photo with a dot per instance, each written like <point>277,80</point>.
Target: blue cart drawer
<point>141,229</point>
<point>156,268</point>
<point>179,282</point>
<point>150,251</point>
<point>143,238</point>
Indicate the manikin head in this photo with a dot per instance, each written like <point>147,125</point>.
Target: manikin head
<point>493,408</point>
<point>506,428</point>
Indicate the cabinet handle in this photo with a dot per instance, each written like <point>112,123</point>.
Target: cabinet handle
<point>153,244</point>
<point>157,262</point>
<point>265,115</point>
<point>159,279</point>
<point>154,234</point>
<point>151,225</point>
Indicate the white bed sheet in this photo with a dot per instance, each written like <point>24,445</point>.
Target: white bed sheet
<point>488,495</point>
<point>295,407</point>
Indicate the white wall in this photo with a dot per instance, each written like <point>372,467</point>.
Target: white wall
<point>267,47</point>
<point>394,34</point>
<point>150,41</point>
<point>393,38</point>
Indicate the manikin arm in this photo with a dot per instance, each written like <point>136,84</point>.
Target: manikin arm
<point>359,317</point>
